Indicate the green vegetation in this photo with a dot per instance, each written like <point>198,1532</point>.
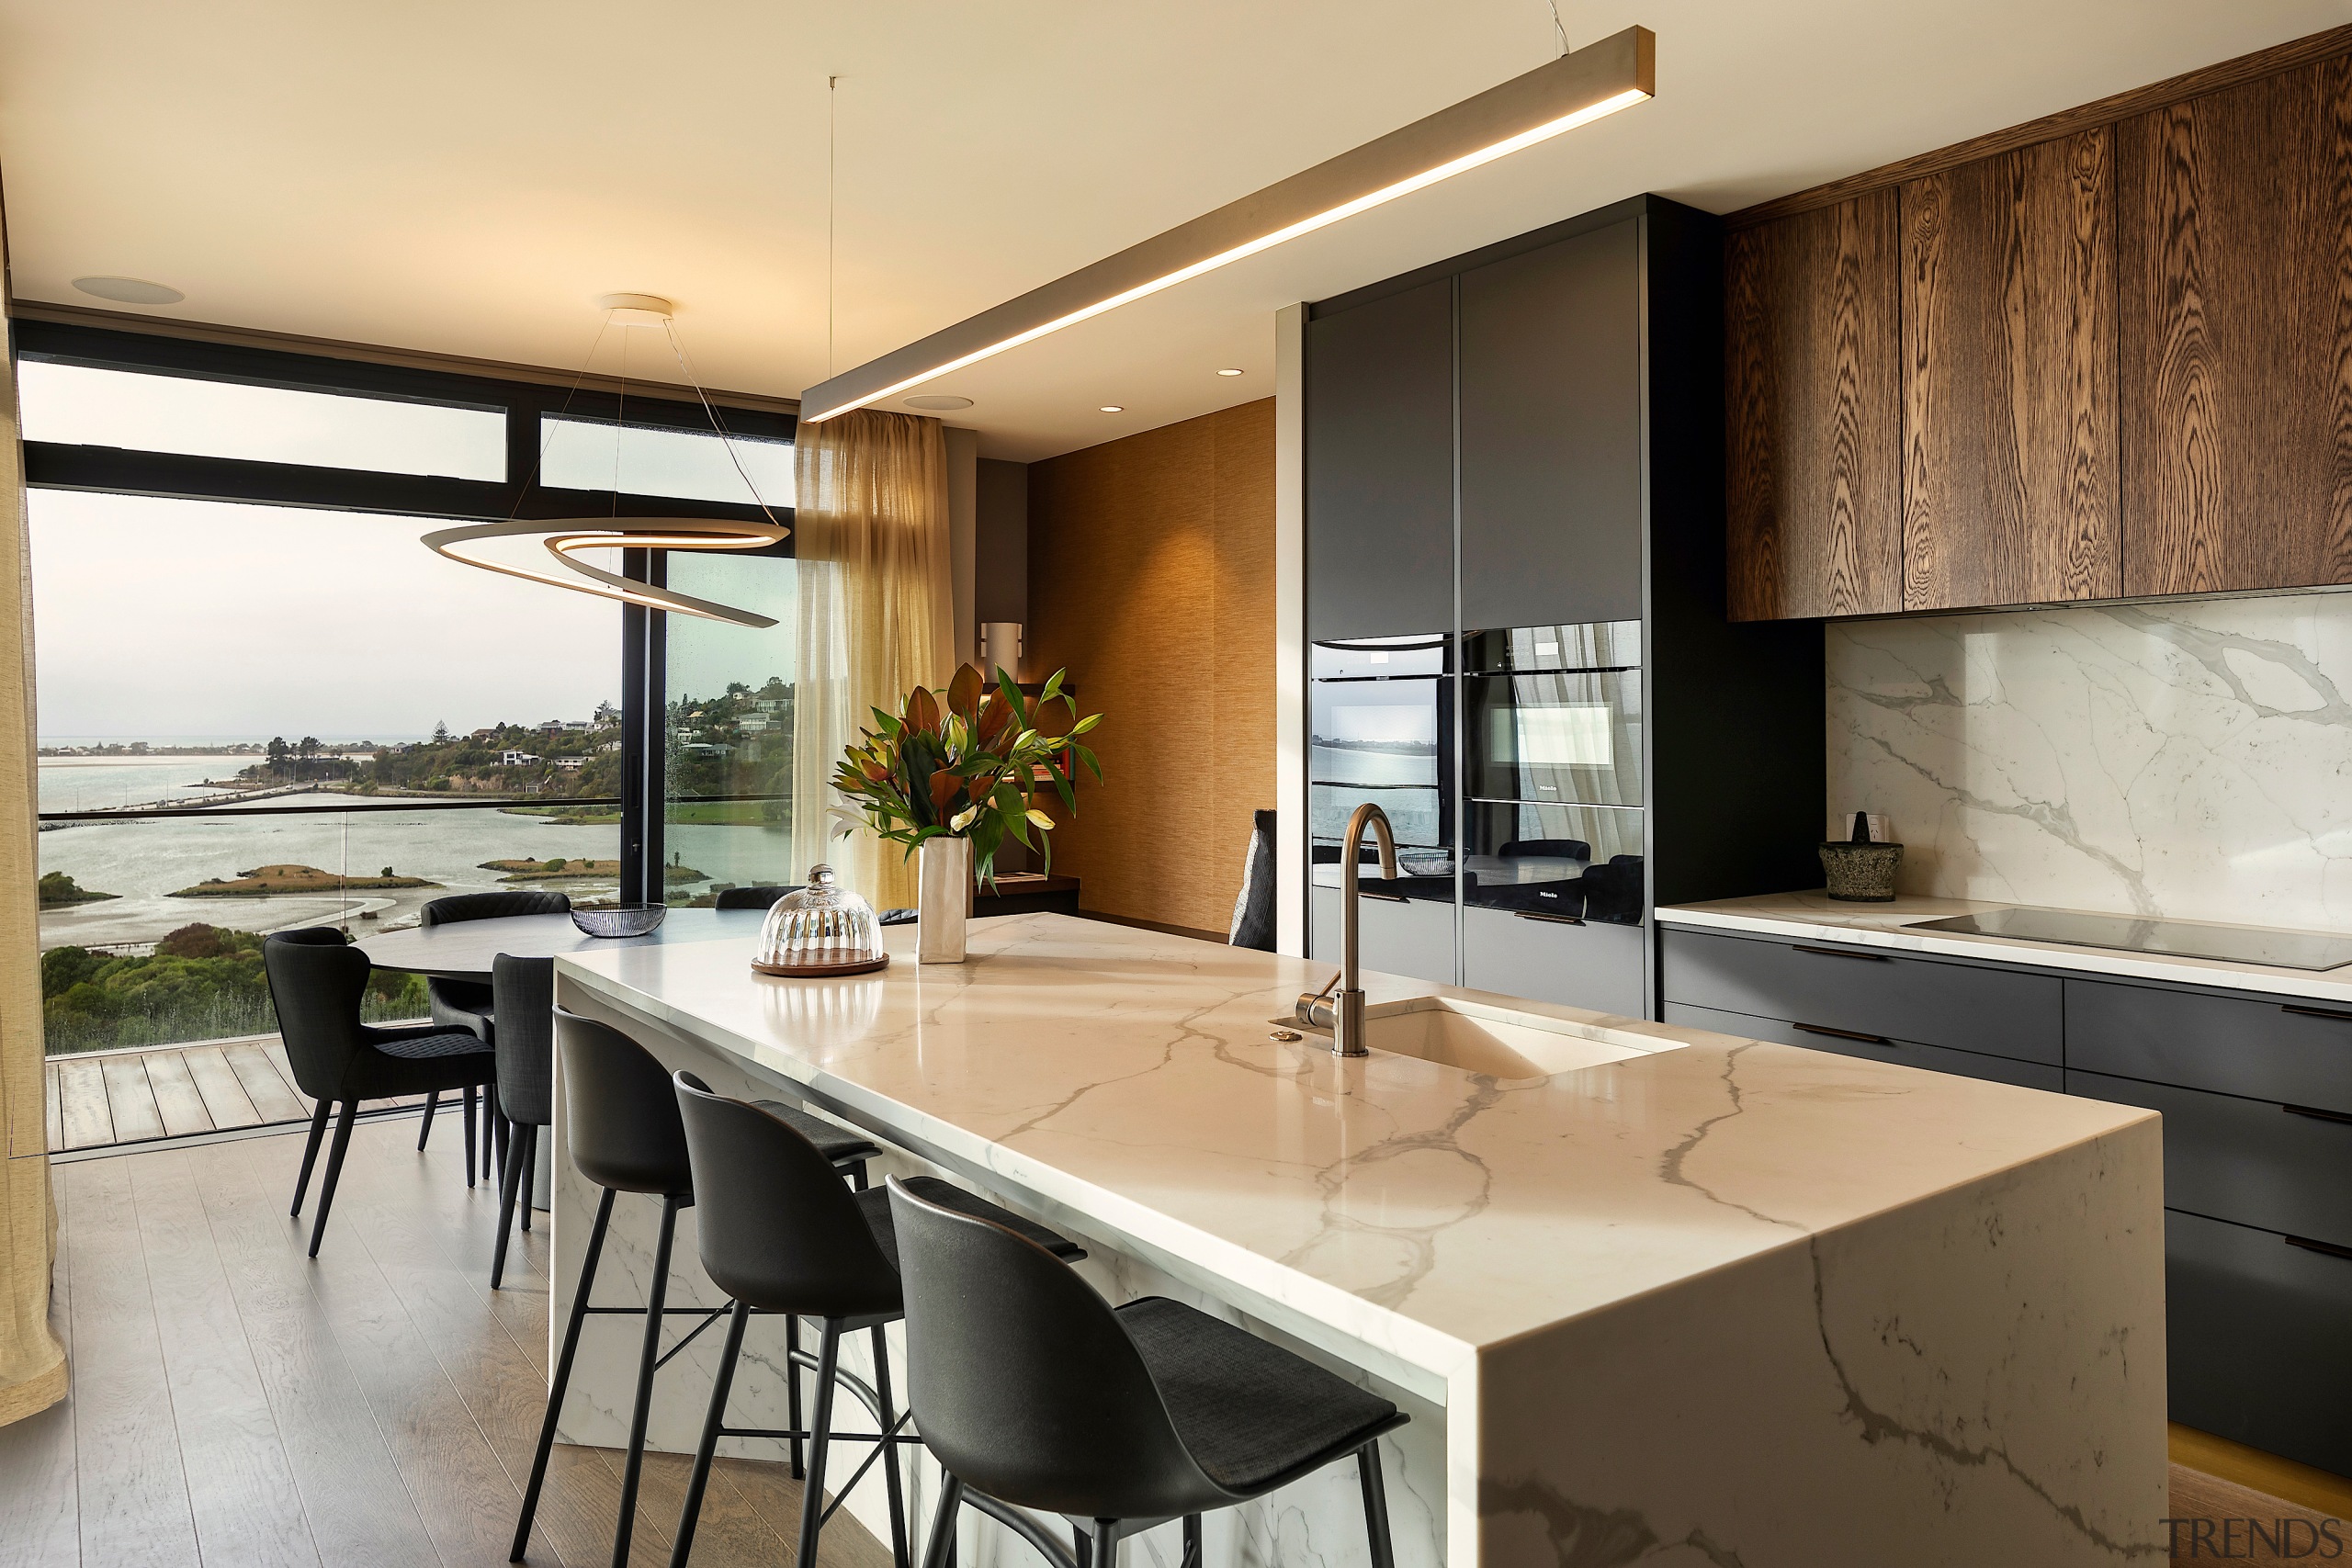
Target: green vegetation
<point>57,888</point>
<point>202,982</point>
<point>739,742</point>
<point>561,762</point>
<point>574,816</point>
<point>264,881</point>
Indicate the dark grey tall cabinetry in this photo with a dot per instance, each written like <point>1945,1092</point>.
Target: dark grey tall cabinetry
<point>1515,612</point>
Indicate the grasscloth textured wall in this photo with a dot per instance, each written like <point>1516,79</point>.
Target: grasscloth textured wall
<point>1151,579</point>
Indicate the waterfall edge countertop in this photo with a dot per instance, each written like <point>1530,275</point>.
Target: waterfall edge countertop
<point>1917,1240</point>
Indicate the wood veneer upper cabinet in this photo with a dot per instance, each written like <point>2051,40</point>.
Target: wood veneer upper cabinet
<point>2234,271</point>
<point>1814,370</point>
<point>2008,379</point>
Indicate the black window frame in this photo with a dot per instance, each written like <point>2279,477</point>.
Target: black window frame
<point>176,476</point>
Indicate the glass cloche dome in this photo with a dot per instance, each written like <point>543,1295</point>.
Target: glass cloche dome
<point>824,928</point>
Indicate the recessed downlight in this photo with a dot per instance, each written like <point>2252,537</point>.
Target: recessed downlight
<point>129,290</point>
<point>1229,372</point>
<point>939,402</point>
<point>1115,407</point>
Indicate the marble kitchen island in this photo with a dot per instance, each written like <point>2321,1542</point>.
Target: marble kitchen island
<point>1705,1301</point>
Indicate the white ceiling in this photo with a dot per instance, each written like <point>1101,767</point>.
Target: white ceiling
<point>462,175</point>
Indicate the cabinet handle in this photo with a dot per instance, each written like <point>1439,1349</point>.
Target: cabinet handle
<point>1384,898</point>
<point>2316,1013</point>
<point>1841,953</point>
<point>2308,1245</point>
<point>1554,920</point>
<point>2315,1113</point>
<point>1843,1033</point>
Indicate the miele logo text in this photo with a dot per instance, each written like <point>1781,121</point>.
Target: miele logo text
<point>2276,1541</point>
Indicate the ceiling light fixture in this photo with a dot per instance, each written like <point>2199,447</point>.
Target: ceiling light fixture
<point>129,290</point>
<point>1113,408</point>
<point>1229,372</point>
<point>566,536</point>
<point>938,402</point>
<point>1552,99</point>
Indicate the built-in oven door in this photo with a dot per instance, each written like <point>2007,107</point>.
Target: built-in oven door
<point>1555,737</point>
<point>1390,741</point>
<point>1568,862</point>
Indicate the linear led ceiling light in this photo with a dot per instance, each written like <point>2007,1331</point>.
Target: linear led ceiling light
<point>1572,90</point>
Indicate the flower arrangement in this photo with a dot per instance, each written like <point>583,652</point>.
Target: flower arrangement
<point>968,763</point>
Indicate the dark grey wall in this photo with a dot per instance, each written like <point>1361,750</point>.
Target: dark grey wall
<point>1000,560</point>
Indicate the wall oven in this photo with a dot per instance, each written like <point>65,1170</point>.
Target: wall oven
<point>1553,772</point>
<point>1381,728</point>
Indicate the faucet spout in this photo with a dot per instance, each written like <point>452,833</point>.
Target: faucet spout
<point>1347,1007</point>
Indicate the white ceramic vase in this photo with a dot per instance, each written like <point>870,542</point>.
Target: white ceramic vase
<point>943,899</point>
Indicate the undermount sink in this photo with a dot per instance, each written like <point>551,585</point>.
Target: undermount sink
<point>1499,1043</point>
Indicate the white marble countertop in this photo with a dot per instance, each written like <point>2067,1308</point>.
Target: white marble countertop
<point>1128,1077</point>
<point>1815,915</point>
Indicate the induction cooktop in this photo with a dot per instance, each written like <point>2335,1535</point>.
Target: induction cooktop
<point>2178,939</point>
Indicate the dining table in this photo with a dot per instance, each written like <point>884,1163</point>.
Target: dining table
<point>465,949</point>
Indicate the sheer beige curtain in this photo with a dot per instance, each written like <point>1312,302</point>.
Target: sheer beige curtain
<point>32,1362</point>
<point>876,615</point>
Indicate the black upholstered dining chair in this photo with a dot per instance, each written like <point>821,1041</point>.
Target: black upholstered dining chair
<point>1253,909</point>
<point>523,991</point>
<point>1036,1396</point>
<point>316,980</point>
<point>753,897</point>
<point>466,1004</point>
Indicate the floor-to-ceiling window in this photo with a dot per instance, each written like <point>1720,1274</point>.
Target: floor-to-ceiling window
<point>727,811</point>
<point>263,704</point>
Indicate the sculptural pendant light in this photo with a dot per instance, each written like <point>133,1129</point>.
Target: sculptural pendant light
<point>565,536</point>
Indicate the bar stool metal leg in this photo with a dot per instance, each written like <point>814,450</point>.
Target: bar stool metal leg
<point>562,1374</point>
<point>941,1553</point>
<point>889,1450</point>
<point>656,1294</point>
<point>792,1390</point>
<point>700,1480</point>
<point>821,1427</point>
<point>1376,1506</point>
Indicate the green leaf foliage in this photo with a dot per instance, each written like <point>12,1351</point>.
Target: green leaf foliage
<point>967,762</point>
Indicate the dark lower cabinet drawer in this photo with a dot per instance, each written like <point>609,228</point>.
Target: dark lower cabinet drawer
<point>1967,1064</point>
<point>2260,1336</point>
<point>1989,1011</point>
<point>2249,1161</point>
<point>1593,965</point>
<point>2273,1048</point>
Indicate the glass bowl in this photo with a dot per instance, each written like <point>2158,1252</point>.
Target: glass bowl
<point>823,929</point>
<point>620,919</point>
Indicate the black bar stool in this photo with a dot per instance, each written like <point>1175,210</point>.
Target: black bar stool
<point>1034,1392</point>
<point>779,1234</point>
<point>622,1126</point>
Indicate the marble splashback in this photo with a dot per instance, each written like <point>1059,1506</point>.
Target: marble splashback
<point>2191,759</point>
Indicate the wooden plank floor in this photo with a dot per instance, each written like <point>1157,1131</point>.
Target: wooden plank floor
<point>236,1404</point>
<point>128,1097</point>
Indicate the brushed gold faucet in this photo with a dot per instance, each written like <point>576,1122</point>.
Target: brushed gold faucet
<point>1344,1013</point>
